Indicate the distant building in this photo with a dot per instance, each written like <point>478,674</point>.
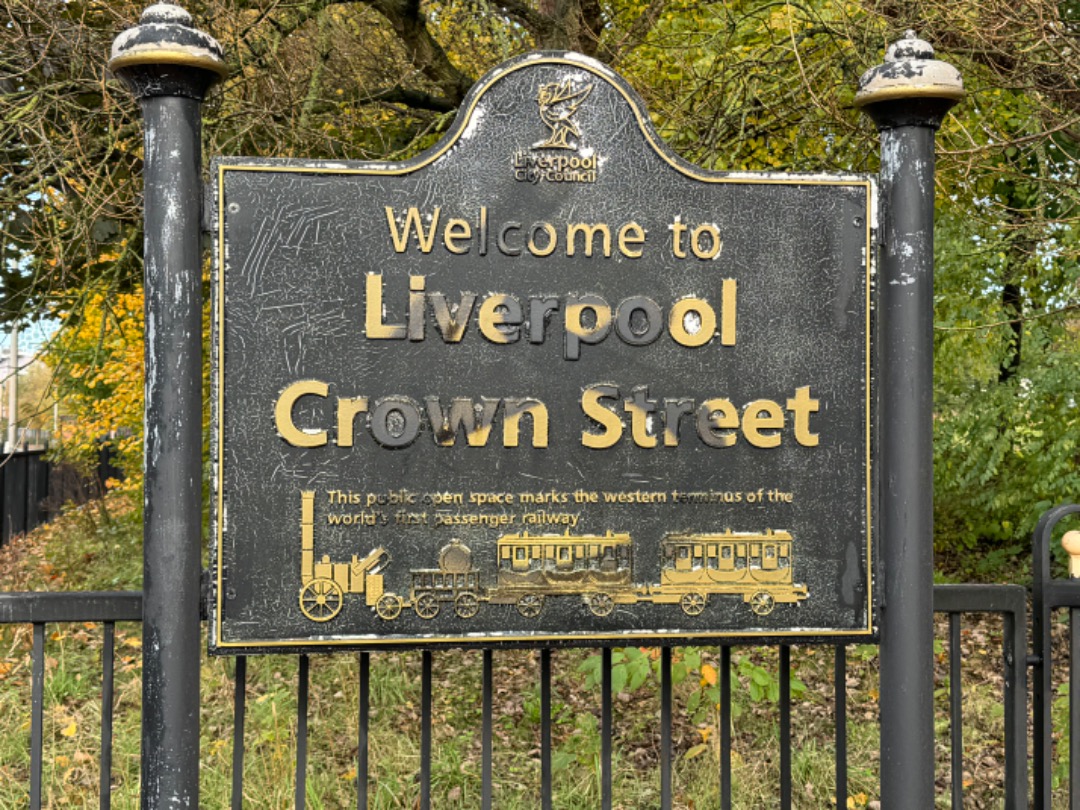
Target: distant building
<point>25,358</point>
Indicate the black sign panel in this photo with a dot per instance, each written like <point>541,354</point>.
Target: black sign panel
<point>545,382</point>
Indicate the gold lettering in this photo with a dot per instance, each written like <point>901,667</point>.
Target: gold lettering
<point>589,232</point>
<point>417,321</point>
<point>728,297</point>
<point>499,318</point>
<point>513,410</point>
<point>374,326</point>
<point>677,231</point>
<point>457,229</point>
<point>283,413</point>
<point>462,414</point>
<point>553,239</point>
<point>602,415</point>
<point>576,330</point>
<point>759,415</point>
<point>640,408</point>
<point>412,220</point>
<point>715,242</point>
<point>717,421</point>
<point>801,407</point>
<point>452,320</point>
<point>631,234</point>
<point>706,322</point>
<point>347,410</point>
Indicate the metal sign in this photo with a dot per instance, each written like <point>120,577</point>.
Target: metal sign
<point>546,382</point>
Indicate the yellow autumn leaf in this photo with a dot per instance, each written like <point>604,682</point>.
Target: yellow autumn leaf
<point>696,750</point>
<point>69,730</point>
<point>708,675</point>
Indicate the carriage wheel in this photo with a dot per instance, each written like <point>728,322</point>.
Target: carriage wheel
<point>320,599</point>
<point>389,606</point>
<point>427,606</point>
<point>762,603</point>
<point>466,605</point>
<point>530,605</point>
<point>601,604</point>
<point>692,603</point>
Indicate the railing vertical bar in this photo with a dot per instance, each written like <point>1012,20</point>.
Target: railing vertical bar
<point>545,729</point>
<point>606,730</point>
<point>301,733</point>
<point>785,727</point>
<point>1074,709</point>
<point>1016,716</point>
<point>486,797</point>
<point>956,712</point>
<point>665,728</point>
<point>37,698</point>
<point>239,718</point>
<point>105,780</point>
<point>425,730</point>
<point>725,728</point>
<point>363,722</point>
<point>840,687</point>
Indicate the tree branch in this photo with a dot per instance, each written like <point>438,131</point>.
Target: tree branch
<point>424,52</point>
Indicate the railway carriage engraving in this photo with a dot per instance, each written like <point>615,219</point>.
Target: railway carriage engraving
<point>597,569</point>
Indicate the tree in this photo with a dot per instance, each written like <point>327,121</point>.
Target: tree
<point>746,84</point>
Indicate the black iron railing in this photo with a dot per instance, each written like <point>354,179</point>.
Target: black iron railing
<point>40,609</point>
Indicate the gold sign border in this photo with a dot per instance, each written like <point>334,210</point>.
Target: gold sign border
<point>683,167</point>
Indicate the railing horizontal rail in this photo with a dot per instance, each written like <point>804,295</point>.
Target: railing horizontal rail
<point>971,598</point>
<point>73,606</point>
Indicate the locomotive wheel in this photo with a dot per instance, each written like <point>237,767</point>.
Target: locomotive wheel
<point>320,599</point>
<point>530,605</point>
<point>601,604</point>
<point>466,605</point>
<point>762,603</point>
<point>389,606</point>
<point>427,606</point>
<point>692,603</point>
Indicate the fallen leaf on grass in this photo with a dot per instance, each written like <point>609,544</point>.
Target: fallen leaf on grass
<point>696,750</point>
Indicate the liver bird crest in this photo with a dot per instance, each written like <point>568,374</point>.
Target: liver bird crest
<point>559,102</point>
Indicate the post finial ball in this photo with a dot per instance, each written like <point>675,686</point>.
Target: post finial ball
<point>910,71</point>
<point>165,13</point>
<point>910,47</point>
<point>1070,541</point>
<point>165,36</point>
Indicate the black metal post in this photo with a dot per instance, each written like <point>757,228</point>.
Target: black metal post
<point>169,66</point>
<point>907,97</point>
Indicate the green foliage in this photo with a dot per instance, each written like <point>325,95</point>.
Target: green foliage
<point>1006,415</point>
<point>743,85</point>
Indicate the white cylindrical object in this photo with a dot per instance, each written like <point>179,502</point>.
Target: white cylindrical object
<point>13,389</point>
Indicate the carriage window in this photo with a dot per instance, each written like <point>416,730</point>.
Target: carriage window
<point>684,552</point>
<point>564,553</point>
<point>725,552</point>
<point>519,553</point>
<point>770,552</point>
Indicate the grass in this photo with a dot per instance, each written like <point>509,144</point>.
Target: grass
<point>98,547</point>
